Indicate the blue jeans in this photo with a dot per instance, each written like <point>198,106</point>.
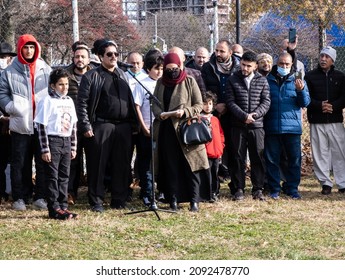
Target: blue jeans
<point>273,149</point>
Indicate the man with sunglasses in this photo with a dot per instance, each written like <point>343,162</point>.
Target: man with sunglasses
<point>107,118</point>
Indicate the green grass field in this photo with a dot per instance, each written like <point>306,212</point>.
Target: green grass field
<point>309,229</point>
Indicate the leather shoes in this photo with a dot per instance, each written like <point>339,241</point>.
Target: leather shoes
<point>117,204</point>
<point>97,208</point>
<point>194,207</point>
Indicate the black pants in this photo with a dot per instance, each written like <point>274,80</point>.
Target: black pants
<point>214,166</point>
<point>76,168</point>
<point>5,152</point>
<point>111,145</point>
<point>144,154</point>
<point>175,176</point>
<point>57,172</point>
<point>243,139</point>
<point>24,147</point>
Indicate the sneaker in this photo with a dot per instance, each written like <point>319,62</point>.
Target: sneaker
<point>274,196</point>
<point>147,201</point>
<point>295,196</point>
<point>214,197</point>
<point>342,190</point>
<point>40,204</point>
<point>258,195</point>
<point>97,208</point>
<point>239,195</point>
<point>161,197</point>
<point>59,214</point>
<point>326,190</point>
<point>19,205</point>
<point>74,215</point>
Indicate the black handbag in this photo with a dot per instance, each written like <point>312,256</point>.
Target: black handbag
<point>195,131</point>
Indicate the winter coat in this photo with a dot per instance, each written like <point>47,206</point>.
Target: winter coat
<point>211,75</point>
<point>186,96</point>
<point>191,64</point>
<point>88,97</point>
<point>17,96</point>
<point>322,86</point>
<point>284,115</point>
<point>241,101</point>
<point>73,84</point>
<point>196,74</point>
<point>215,147</point>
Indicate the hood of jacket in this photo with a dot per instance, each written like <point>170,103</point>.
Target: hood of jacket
<point>24,39</point>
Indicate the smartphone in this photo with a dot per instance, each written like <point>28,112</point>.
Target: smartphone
<point>292,35</point>
<point>298,75</point>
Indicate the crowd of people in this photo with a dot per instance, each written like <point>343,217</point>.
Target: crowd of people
<point>113,111</point>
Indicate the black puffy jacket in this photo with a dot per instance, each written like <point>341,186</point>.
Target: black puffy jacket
<point>241,101</point>
<point>325,86</point>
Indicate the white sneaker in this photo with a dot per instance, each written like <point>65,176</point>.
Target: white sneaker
<point>19,205</point>
<point>40,204</point>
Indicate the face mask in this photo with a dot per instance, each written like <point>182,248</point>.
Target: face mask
<point>172,74</point>
<point>3,63</point>
<point>283,71</point>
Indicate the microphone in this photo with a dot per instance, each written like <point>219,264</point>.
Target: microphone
<point>124,65</point>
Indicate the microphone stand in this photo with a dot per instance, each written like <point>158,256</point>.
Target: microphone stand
<point>153,206</point>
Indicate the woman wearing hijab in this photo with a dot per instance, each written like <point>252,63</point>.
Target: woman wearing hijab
<point>180,167</point>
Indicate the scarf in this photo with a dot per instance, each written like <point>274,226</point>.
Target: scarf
<point>169,82</point>
<point>224,67</point>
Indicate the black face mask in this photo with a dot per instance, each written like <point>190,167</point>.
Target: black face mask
<point>172,73</point>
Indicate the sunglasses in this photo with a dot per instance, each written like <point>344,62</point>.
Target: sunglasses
<point>110,54</point>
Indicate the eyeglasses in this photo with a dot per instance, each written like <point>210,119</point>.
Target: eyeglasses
<point>110,54</point>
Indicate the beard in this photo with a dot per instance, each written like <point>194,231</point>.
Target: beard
<point>222,60</point>
<point>80,68</point>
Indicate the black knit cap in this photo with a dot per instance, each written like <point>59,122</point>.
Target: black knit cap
<point>6,49</point>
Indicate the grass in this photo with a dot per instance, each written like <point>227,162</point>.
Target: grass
<point>309,229</point>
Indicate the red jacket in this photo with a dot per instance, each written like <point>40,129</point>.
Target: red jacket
<point>215,148</point>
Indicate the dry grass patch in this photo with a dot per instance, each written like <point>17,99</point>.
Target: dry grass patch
<point>311,228</point>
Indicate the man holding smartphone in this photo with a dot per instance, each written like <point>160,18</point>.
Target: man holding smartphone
<point>289,45</point>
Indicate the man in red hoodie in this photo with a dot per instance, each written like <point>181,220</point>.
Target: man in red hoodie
<point>22,85</point>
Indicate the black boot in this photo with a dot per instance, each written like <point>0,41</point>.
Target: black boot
<point>194,207</point>
<point>173,204</point>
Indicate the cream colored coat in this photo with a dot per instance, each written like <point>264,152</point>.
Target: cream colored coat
<point>186,96</point>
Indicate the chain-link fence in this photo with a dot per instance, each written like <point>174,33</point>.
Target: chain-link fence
<point>143,24</point>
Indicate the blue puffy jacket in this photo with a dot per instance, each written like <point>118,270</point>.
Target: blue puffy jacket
<point>284,115</point>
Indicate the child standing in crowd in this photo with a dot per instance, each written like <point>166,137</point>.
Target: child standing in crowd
<point>153,65</point>
<point>215,147</point>
<point>56,123</point>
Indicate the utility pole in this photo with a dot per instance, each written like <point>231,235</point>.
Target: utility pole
<point>210,26</point>
<point>215,22</point>
<point>238,21</point>
<point>154,41</point>
<point>75,20</point>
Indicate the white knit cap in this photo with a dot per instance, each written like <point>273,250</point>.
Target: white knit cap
<point>330,52</point>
